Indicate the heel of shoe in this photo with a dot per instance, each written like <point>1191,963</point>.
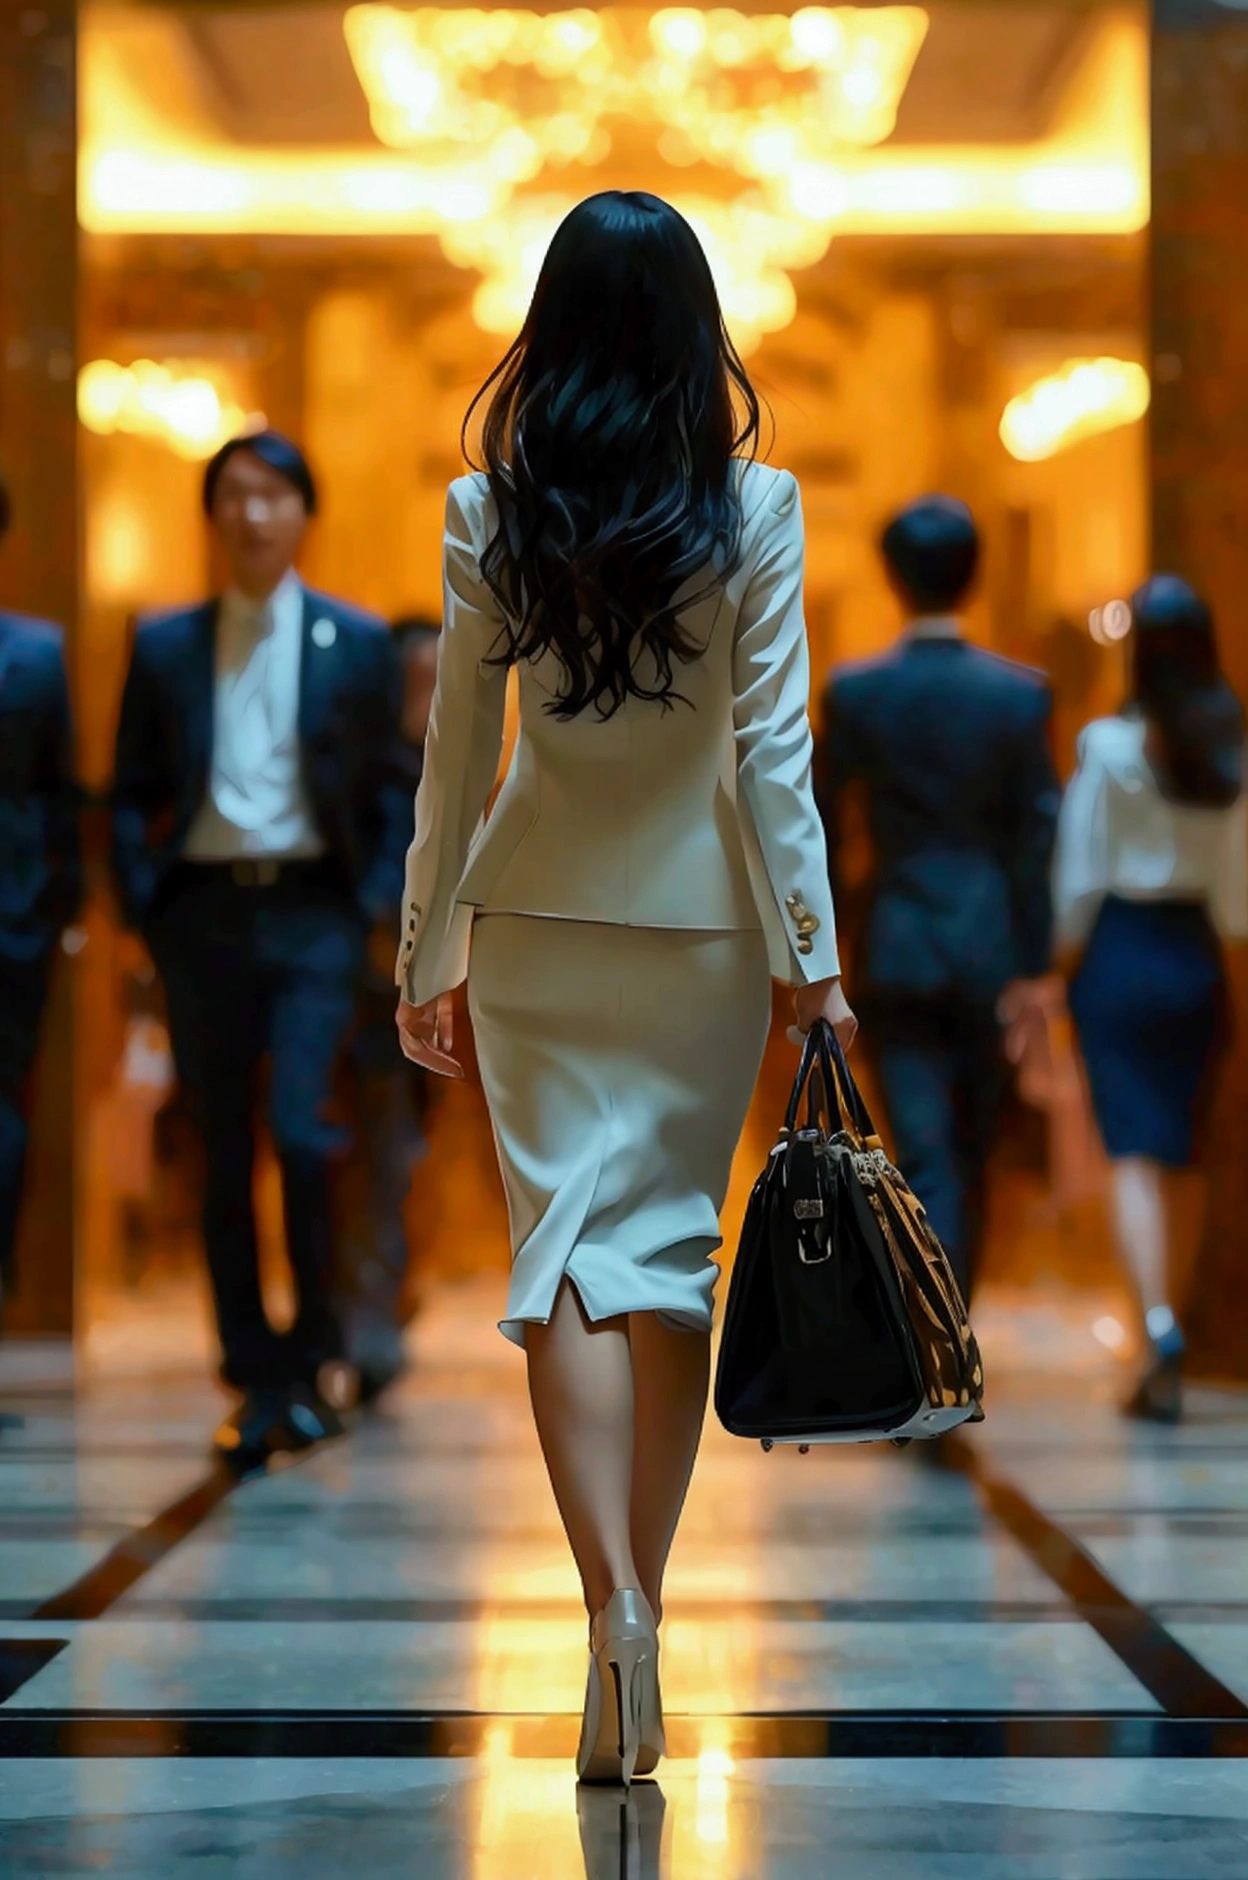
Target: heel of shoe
<point>622,1734</point>
<point>629,1662</point>
<point>653,1735</point>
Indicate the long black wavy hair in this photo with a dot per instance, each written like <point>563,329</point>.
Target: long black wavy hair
<point>1178,686</point>
<point>608,441</point>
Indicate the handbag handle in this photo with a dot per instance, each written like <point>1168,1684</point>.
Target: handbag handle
<point>822,1052</point>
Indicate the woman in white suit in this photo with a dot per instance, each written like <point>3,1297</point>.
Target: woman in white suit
<point>653,859</point>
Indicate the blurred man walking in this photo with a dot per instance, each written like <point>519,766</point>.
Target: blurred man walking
<point>260,820</point>
<point>950,747</point>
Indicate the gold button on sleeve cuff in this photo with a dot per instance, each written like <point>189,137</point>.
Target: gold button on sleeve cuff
<point>805,922</point>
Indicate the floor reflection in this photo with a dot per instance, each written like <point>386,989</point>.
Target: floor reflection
<point>526,1813</point>
<point>532,1813</point>
<point>622,1834</point>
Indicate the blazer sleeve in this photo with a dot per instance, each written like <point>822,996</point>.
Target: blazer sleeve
<point>392,772</point>
<point>462,751</point>
<point>1037,796</point>
<point>1082,866</point>
<point>58,785</point>
<point>139,782</point>
<point>776,799</point>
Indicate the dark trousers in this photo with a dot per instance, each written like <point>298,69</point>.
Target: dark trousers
<point>23,986</point>
<point>944,1080</point>
<point>386,1097</point>
<point>252,973</point>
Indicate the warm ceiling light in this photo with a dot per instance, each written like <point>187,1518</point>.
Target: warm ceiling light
<point>440,76</point>
<point>452,80</point>
<point>1085,397</point>
<point>475,105</point>
<point>184,409</point>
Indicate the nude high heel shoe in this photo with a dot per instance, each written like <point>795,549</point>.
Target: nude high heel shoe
<point>622,1702</point>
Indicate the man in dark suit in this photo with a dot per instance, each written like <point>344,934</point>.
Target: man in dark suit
<point>949,748</point>
<point>262,810</point>
<point>40,867</point>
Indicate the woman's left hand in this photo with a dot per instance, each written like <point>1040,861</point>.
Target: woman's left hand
<point>824,998</point>
<point>426,1033</point>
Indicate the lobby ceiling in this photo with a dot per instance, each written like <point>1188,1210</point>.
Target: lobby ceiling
<point>988,71</point>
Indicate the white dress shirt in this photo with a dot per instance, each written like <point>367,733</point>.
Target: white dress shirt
<point>935,627</point>
<point>1119,835</point>
<point>257,804</point>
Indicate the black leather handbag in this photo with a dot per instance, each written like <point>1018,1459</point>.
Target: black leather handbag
<point>845,1323</point>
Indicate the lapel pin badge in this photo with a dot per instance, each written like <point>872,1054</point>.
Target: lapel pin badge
<point>324,633</point>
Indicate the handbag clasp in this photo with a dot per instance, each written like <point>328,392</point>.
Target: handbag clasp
<point>812,1259</point>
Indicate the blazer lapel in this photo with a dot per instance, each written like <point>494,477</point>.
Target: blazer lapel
<point>318,666</point>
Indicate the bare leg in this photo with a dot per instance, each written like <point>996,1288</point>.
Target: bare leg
<point>1140,1228</point>
<point>581,1386</point>
<point>1187,1197</point>
<point>671,1371</point>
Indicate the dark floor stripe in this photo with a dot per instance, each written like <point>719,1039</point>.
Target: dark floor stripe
<point>1169,1673</point>
<point>330,1735</point>
<point>416,1611</point>
<point>433,1611</point>
<point>126,1563</point>
<point>22,1658</point>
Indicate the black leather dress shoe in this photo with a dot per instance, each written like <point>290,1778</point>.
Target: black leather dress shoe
<point>270,1422</point>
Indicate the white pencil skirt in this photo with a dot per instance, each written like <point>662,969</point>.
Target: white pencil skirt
<point>618,1065</point>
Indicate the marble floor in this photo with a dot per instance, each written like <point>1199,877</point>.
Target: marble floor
<point>1031,1666</point>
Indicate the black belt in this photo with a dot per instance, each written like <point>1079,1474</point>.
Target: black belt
<point>266,871</point>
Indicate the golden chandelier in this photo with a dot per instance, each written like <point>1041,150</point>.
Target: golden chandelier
<point>767,101</point>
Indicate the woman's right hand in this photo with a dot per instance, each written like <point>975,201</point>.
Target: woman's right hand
<point>825,998</point>
<point>426,1035</point>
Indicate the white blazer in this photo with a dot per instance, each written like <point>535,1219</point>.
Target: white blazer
<point>699,816</point>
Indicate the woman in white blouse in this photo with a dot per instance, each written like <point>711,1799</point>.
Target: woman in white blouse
<point>1152,876</point>
<point>653,859</point>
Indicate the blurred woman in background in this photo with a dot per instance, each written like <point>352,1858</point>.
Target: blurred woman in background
<point>1152,875</point>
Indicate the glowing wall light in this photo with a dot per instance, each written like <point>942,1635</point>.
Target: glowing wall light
<point>120,550</point>
<point>1111,623</point>
<point>183,409</point>
<point>1085,397</point>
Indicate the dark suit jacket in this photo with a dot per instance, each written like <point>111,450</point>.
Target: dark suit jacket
<point>40,850</point>
<point>356,769</point>
<point>951,744</point>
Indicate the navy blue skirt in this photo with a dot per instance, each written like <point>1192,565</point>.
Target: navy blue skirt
<point>1150,1006</point>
